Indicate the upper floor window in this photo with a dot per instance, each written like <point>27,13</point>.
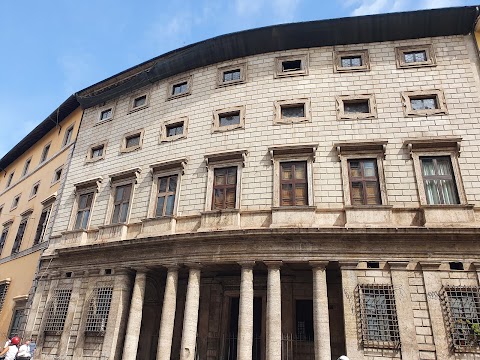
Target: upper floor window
<point>166,195</point>
<point>439,181</point>
<point>355,60</point>
<point>3,237</point>
<point>96,152</point>
<point>20,233</point>
<point>165,187</point>
<point>105,114</point>
<point>424,103</point>
<point>9,180</point>
<point>292,111</point>
<point>174,129</point>
<point>15,202</point>
<point>26,167</point>
<point>45,151</point>
<point>3,292</point>
<point>364,182</point>
<point>231,75</point>
<point>121,203</point>
<point>293,65</point>
<point>224,188</point>
<point>42,225</point>
<point>294,185</point>
<point>84,207</point>
<point>179,87</point>
<point>356,107</point>
<point>229,119</point>
<point>67,139</point>
<point>57,175</point>
<point>415,56</point>
<point>132,141</point>
<point>140,101</point>
<point>378,316</point>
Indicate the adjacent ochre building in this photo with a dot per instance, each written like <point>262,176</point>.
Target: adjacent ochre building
<point>31,174</point>
<point>293,192</point>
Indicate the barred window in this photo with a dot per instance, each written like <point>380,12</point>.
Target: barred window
<point>462,305</point>
<point>57,310</point>
<point>3,293</point>
<point>98,310</point>
<point>15,327</point>
<point>378,316</point>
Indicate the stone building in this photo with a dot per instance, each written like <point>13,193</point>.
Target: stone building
<point>31,176</point>
<point>292,192</point>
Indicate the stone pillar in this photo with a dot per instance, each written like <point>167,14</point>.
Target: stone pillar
<point>190,317</point>
<point>245,316</point>
<point>321,324</point>
<point>70,327</point>
<point>349,285</point>
<point>403,302</point>
<point>433,285</point>
<point>130,346</point>
<point>274,311</point>
<point>167,322</point>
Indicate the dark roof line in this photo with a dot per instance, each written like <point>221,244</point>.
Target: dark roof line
<point>54,119</point>
<point>343,31</point>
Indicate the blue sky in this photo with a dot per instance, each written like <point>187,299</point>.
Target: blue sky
<point>53,48</point>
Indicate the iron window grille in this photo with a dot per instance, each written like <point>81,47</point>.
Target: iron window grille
<point>83,211</point>
<point>3,294</point>
<point>377,316</point>
<point>121,203</point>
<point>98,310</point>
<point>57,311</point>
<point>167,187</point>
<point>462,308</point>
<point>224,188</point>
<point>364,184</point>
<point>293,182</point>
<point>438,180</point>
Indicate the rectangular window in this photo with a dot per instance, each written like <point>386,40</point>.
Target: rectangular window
<point>97,151</point>
<point>356,106</point>
<point>17,318</point>
<point>140,101</point>
<point>424,103</point>
<point>83,211</point>
<point>293,184</point>
<point>34,190</point>
<point>20,233</point>
<point>224,188</point>
<point>106,114</point>
<point>293,65</point>
<point>293,111</point>
<point>26,166</point>
<point>232,75</point>
<point>180,88</point>
<point>439,181</point>
<point>229,119</point>
<point>57,175</point>
<point>9,180</point>
<point>174,129</point>
<point>378,316</point>
<point>57,310</point>
<point>68,136</point>
<point>3,237</point>
<point>167,188</point>
<point>351,61</point>
<point>364,184</point>
<point>415,56</point>
<point>45,151</point>
<point>462,305</point>
<point>15,202</point>
<point>132,141</point>
<point>42,225</point>
<point>98,310</point>
<point>121,203</point>
<point>3,293</point>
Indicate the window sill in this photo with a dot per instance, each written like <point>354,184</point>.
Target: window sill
<point>128,150</point>
<point>94,160</point>
<point>100,122</point>
<point>172,138</point>
<point>230,83</point>
<point>220,129</point>
<point>173,97</point>
<point>133,110</point>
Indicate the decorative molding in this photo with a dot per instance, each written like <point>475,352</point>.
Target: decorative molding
<point>168,165</point>
<point>235,155</point>
<point>126,174</point>
<point>293,150</point>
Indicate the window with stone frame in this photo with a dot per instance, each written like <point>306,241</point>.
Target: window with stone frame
<point>57,175</point>
<point>105,114</point>
<point>356,107</point>
<point>364,182</point>
<point>424,103</point>
<point>44,155</point>
<point>231,74</point>
<point>68,136</point>
<point>348,61</point>
<point>15,326</point>
<point>97,151</point>
<point>139,102</point>
<point>292,111</point>
<point>57,310</point>
<point>15,202</point>
<point>166,195</point>
<point>26,166</point>
<point>462,309</point>
<point>292,65</point>
<point>20,234</point>
<point>224,188</point>
<point>3,292</point>
<point>9,179</point>
<point>179,87</point>
<point>3,237</point>
<point>98,310</point>
<point>42,225</point>
<point>84,207</point>
<point>293,183</point>
<point>229,119</point>
<point>121,203</point>
<point>174,129</point>
<point>377,316</point>
<point>415,56</point>
<point>132,141</point>
<point>439,180</point>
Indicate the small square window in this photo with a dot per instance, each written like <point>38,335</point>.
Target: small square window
<point>415,56</point>
<point>356,107</point>
<point>45,151</point>
<point>231,75</point>
<point>174,129</point>
<point>15,202</point>
<point>294,65</point>
<point>347,61</point>
<point>140,101</point>
<point>96,152</point>
<point>26,166</point>
<point>228,119</point>
<point>68,136</point>
<point>179,88</point>
<point>132,141</point>
<point>291,111</point>
<point>9,180</point>
<point>106,114</point>
<point>35,188</point>
<point>424,103</point>
<point>57,175</point>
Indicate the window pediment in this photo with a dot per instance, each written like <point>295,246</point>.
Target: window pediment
<point>293,150</point>
<point>90,183</point>
<point>361,147</point>
<point>236,155</point>
<point>169,165</point>
<point>127,174</point>
<point>433,144</point>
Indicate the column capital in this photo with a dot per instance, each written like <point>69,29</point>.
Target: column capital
<point>194,265</point>
<point>141,269</point>
<point>398,265</point>
<point>273,264</point>
<point>246,264</point>
<point>318,264</point>
<point>171,266</point>
<point>430,265</point>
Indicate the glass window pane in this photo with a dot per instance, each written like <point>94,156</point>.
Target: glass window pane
<point>356,107</point>
<point>78,221</point>
<point>355,169</point>
<point>86,215</point>
<point>219,178</point>
<point>119,194</point>
<point>293,111</point>
<point>116,214</point>
<point>126,192</point>
<point>448,190</point>
<point>229,119</point>
<point>369,168</point>
<point>286,172</point>
<point>140,101</point>
<point>162,187</point>
<point>231,75</point>
<point>170,205</point>
<point>357,193</point>
<point>172,186</point>
<point>428,168</point>
<point>133,141</point>
<point>431,192</point>
<point>300,172</point>
<point>160,202</point>
<point>124,212</point>
<point>443,166</point>
<point>232,177</point>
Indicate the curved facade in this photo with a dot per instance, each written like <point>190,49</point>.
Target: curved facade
<point>298,204</point>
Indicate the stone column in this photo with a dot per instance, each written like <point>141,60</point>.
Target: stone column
<point>433,285</point>
<point>245,316</point>
<point>130,346</point>
<point>190,317</point>
<point>349,285</point>
<point>403,302</point>
<point>321,323</point>
<point>274,311</point>
<point>167,322</point>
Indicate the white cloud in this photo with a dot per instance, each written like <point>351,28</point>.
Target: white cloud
<point>428,4</point>
<point>370,7</point>
<point>248,7</point>
<point>285,10</point>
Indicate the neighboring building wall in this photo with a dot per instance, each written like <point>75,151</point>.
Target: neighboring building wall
<point>20,267</point>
